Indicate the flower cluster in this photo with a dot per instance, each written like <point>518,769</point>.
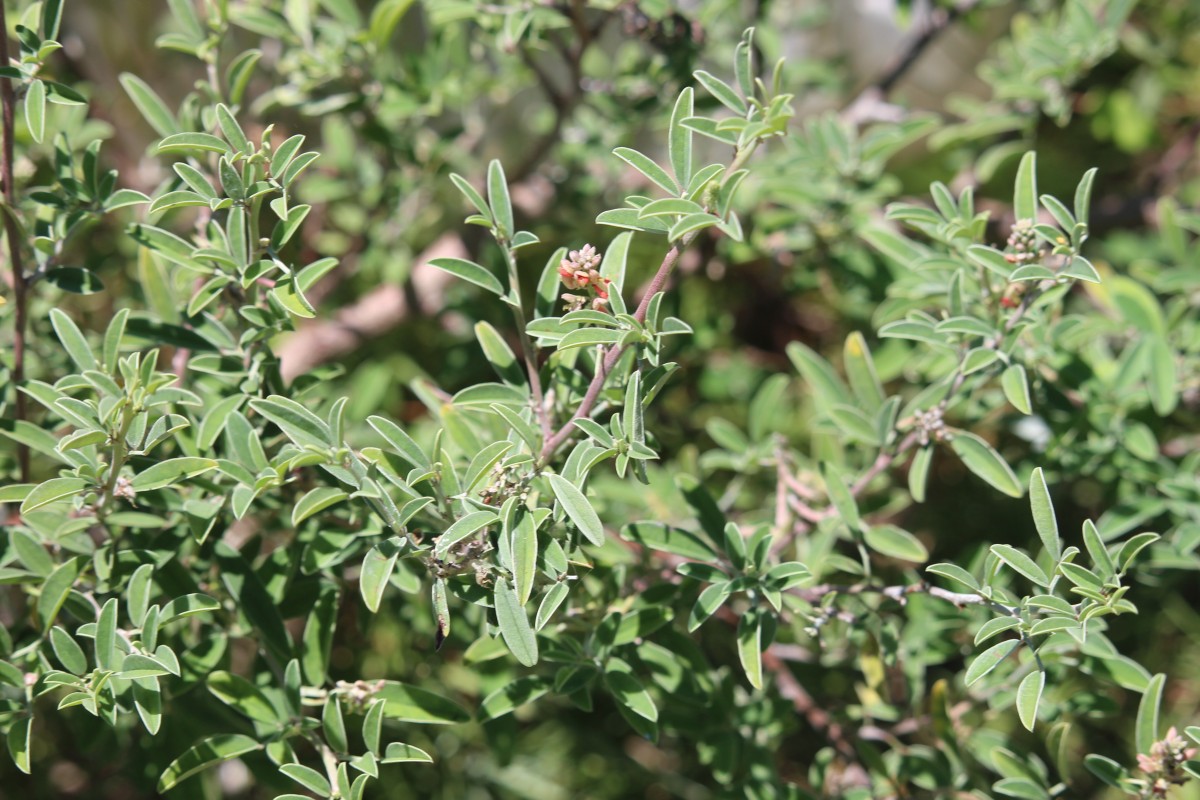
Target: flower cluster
<point>1022,244</point>
<point>1164,764</point>
<point>579,272</point>
<point>930,426</point>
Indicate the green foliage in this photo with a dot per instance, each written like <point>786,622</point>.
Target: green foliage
<point>567,519</point>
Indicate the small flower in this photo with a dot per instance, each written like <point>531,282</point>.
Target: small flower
<point>1164,762</point>
<point>579,272</point>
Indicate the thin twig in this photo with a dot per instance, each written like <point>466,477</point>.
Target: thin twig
<point>20,312</point>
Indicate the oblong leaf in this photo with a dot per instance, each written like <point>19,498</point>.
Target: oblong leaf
<point>514,624</point>
<point>469,271</point>
<point>207,753</point>
<point>578,509</point>
<point>989,659</point>
<point>1029,695</point>
<point>981,459</point>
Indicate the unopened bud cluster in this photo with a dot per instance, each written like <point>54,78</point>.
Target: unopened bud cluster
<point>931,426</point>
<point>505,482</point>
<point>358,695</point>
<point>1022,244</point>
<point>579,272</point>
<point>1164,763</point>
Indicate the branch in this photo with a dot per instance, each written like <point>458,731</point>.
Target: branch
<point>815,594</point>
<point>12,231</point>
<point>870,103</point>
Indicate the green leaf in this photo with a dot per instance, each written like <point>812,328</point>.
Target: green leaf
<point>150,104</point>
<point>242,696</point>
<point>75,280</point>
<point>72,340</point>
<point>679,144</point>
<point>1083,195</point>
<point>372,727</point>
<point>707,604</point>
<point>1021,563</point>
<point>690,224</point>
<point>840,496</point>
<point>52,491</point>
<point>512,696</point>
<point>645,165</point>
<point>499,354</point>
<point>1107,770</point>
<point>171,471</point>
<point>918,473</point>
<point>402,444</point>
<point>186,606</point>
<point>469,271</point>
<point>232,130</point>
<point>722,91</point>
<point>860,370</point>
<point>514,624</point>
<point>239,72</point>
<point>823,382</point>
<point>377,569</point>
<point>980,458</point>
<point>1016,388</point>
<point>590,337</point>
<point>1146,729</point>
<point>474,197</point>
<point>1164,377</point>
<point>307,777</point>
<point>628,690</point>
<point>1025,204</point>
<point>410,704</point>
<point>896,543</point>
<point>668,539</point>
<point>463,528</point>
<point>398,752</point>
<point>578,509</point>
<point>989,659</point>
<point>524,544</point>
<point>316,500</point>
<point>301,425</point>
<point>106,636</point>
<point>1043,514</point>
<point>550,603</point>
<point>207,753</point>
<point>68,651</point>
<point>669,206</point>
<point>18,742</point>
<point>334,724</point>
<point>1133,546</point>
<point>991,259</point>
<point>749,640</point>
<point>1029,695</point>
<point>499,201</point>
<point>317,639</point>
<point>35,110</point>
<point>1097,550</point>
<point>194,142</point>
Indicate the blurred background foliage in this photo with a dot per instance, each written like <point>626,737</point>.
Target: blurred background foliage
<point>890,96</point>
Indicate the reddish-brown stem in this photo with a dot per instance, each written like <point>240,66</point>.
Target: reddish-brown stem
<point>613,354</point>
<point>8,99</point>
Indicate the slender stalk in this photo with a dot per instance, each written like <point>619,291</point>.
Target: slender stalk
<point>8,100</point>
<point>528,354</point>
